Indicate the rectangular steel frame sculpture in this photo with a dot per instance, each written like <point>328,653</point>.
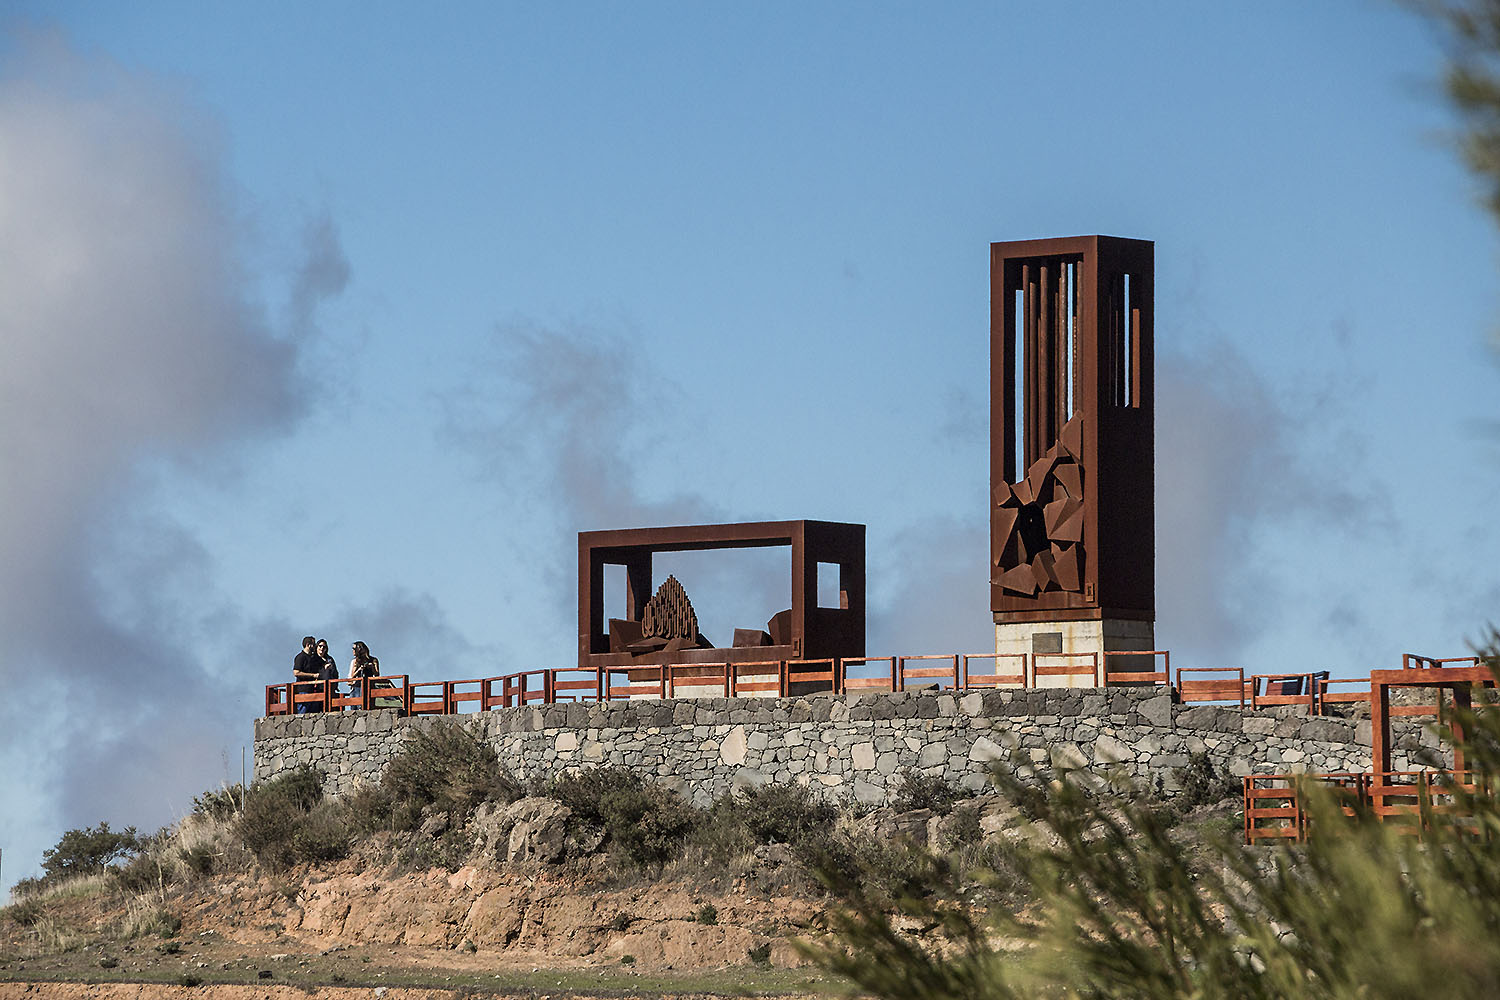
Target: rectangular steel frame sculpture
<point>814,632</point>
<point>1072,403</point>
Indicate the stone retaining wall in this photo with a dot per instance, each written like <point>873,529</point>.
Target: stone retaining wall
<point>854,745</point>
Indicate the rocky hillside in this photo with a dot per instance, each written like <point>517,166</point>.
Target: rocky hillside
<point>452,876</point>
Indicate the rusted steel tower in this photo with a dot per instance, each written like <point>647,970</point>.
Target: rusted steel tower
<point>1072,479</point>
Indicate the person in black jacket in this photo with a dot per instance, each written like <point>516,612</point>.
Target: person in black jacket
<point>306,666</point>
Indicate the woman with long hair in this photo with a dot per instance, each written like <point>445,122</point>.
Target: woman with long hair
<point>363,665</point>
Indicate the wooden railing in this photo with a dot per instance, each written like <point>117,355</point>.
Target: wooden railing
<point>1128,672</point>
<point>1416,802</point>
<point>1313,690</point>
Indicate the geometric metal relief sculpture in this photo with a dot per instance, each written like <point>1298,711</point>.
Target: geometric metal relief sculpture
<point>1072,532</point>
<point>669,614</point>
<point>1039,521</point>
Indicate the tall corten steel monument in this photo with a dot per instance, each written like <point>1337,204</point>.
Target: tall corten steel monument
<point>1072,479</point>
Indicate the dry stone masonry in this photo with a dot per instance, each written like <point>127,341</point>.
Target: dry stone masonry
<point>855,745</point>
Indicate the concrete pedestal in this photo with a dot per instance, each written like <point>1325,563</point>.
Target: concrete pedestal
<point>1066,654</point>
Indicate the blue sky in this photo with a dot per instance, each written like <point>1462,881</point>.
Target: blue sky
<point>346,318</point>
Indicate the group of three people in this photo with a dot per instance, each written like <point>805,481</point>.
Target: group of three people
<point>314,664</point>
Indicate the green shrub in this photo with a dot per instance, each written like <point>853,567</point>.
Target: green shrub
<point>921,791</point>
<point>644,824</point>
<point>27,887</point>
<point>768,814</point>
<point>144,919</point>
<point>1203,786</point>
<point>889,872</point>
<point>26,913</point>
<point>650,826</point>
<point>219,803</point>
<point>370,808</point>
<point>300,788</point>
<point>964,829</point>
<point>323,834</point>
<point>273,814</point>
<point>708,913</point>
<point>583,792</point>
<point>449,851</point>
<point>86,851</point>
<point>199,859</point>
<point>761,955</point>
<point>142,873</point>
<point>448,769</point>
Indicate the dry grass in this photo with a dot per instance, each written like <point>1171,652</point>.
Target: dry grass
<point>83,887</point>
<point>146,917</point>
<point>51,936</point>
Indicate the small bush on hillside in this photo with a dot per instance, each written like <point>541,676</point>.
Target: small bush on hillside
<point>369,808</point>
<point>200,859</point>
<point>645,824</point>
<point>142,873</point>
<point>323,834</point>
<point>964,829</point>
<point>146,918</point>
<point>448,769</point>
<point>449,851</point>
<point>888,872</point>
<point>27,887</point>
<point>274,811</point>
<point>86,851</point>
<point>1204,786</point>
<point>219,803</point>
<point>770,814</point>
<point>153,867</point>
<point>25,913</point>
<point>921,791</point>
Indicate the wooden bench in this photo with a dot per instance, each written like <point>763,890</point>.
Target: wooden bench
<point>1228,684</point>
<point>1286,689</point>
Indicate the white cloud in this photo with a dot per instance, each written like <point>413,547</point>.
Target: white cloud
<point>128,335</point>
